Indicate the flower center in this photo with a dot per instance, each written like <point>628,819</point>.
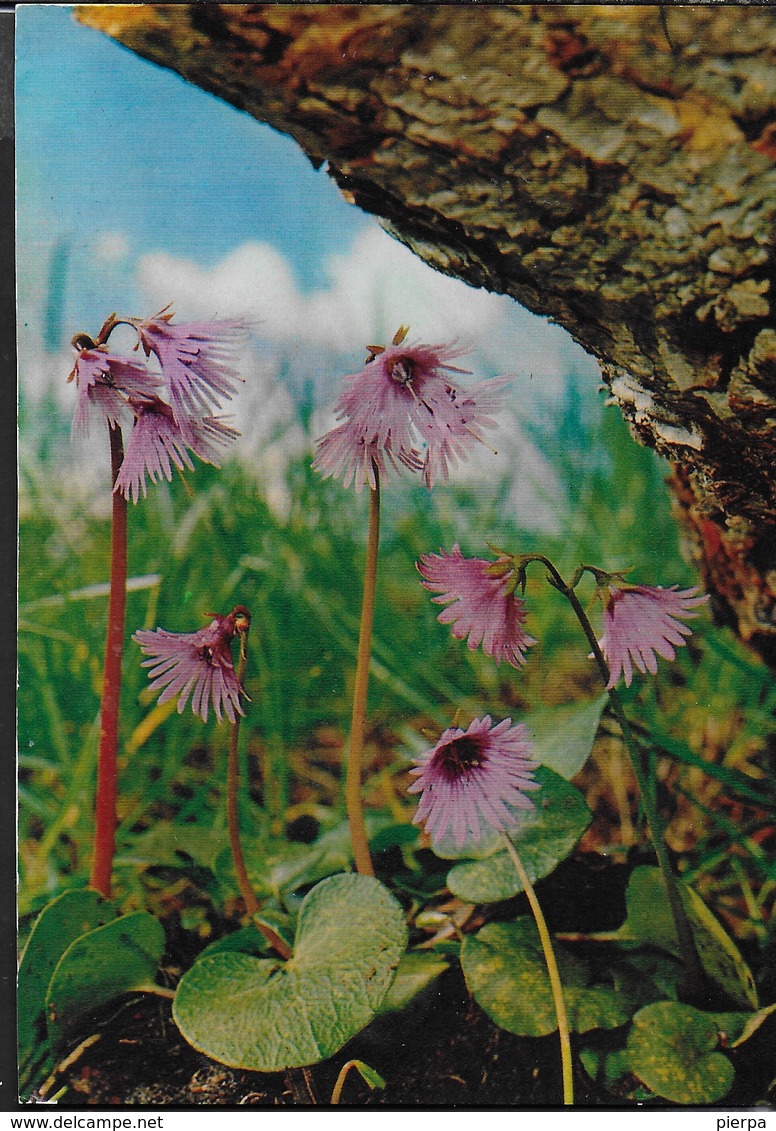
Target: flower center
<point>401,371</point>
<point>457,757</point>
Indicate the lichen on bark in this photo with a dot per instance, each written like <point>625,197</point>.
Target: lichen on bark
<point>609,167</point>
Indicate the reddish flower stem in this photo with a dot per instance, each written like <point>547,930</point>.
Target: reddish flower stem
<point>232,820</point>
<point>107,758</point>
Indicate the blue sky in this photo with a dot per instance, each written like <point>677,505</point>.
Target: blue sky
<point>109,143</point>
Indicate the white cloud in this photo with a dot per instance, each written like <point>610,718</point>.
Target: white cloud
<point>111,247</point>
<point>304,342</point>
<point>253,282</point>
<point>374,287</point>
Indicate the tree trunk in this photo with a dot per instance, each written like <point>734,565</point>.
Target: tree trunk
<point>610,167</point>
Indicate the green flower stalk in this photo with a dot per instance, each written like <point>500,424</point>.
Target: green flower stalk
<point>471,783</point>
<point>553,973</point>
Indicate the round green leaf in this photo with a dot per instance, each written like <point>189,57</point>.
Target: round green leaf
<point>506,973</point>
<point>59,924</point>
<point>121,956</point>
<point>563,736</point>
<point>269,1015</point>
<point>671,1048</point>
<point>545,836</point>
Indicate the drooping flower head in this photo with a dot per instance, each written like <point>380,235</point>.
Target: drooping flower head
<point>196,360</point>
<point>473,781</point>
<point>641,620</point>
<point>195,373</point>
<point>197,665</point>
<point>482,605</point>
<point>105,383</point>
<point>404,409</point>
<point>156,443</point>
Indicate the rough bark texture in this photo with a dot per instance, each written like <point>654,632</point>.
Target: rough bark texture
<point>611,167</point>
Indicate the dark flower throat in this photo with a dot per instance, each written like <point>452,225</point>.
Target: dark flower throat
<point>459,756</point>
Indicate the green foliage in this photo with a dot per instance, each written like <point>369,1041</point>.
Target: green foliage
<point>546,835</point>
<point>563,737</point>
<point>672,1049</point>
<point>65,919</point>
<point>113,959</point>
<point>267,1015</point>
<point>80,955</point>
<point>506,973</point>
<point>418,969</point>
<point>368,1075</point>
<point>277,868</point>
<point>649,922</point>
<point>299,571</point>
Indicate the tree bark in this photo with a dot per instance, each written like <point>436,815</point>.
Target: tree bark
<point>610,167</point>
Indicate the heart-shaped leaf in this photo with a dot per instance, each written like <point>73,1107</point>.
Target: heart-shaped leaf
<point>649,920</point>
<point>563,736</point>
<point>120,956</point>
<point>672,1049</point>
<point>506,972</point>
<point>268,1015</point>
<point>59,924</point>
<point>546,835</point>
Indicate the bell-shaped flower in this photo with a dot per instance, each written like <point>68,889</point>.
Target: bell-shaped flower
<point>156,444</point>
<point>482,605</point>
<point>197,665</point>
<point>642,621</point>
<point>404,409</point>
<point>473,781</point>
<point>104,383</point>
<point>196,359</point>
<point>196,372</point>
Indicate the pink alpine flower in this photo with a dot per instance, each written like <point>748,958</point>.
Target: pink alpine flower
<point>474,780</point>
<point>404,409</point>
<point>196,361</point>
<point>197,665</point>
<point>104,383</point>
<point>195,373</point>
<point>156,443</point>
<point>482,608</point>
<point>641,620</point>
